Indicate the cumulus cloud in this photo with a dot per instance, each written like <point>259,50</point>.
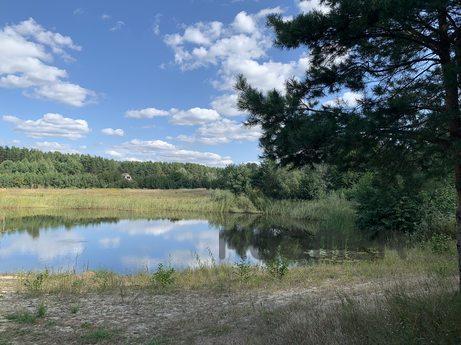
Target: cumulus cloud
<point>223,132</point>
<point>159,150</point>
<point>26,53</point>
<point>226,105</point>
<point>147,113</point>
<point>193,116</point>
<point>240,47</point>
<point>113,132</point>
<point>50,125</point>
<point>306,6</point>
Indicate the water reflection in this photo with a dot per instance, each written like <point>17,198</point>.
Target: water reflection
<point>125,242</point>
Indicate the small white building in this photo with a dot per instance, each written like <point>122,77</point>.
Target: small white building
<point>127,177</point>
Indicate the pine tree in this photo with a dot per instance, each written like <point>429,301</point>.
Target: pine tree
<point>402,56</point>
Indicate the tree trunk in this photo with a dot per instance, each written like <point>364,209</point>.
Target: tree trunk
<point>450,72</point>
<point>458,221</point>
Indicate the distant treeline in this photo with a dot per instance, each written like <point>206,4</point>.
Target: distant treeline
<point>27,168</point>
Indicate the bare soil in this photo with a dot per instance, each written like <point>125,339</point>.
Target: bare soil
<point>146,318</point>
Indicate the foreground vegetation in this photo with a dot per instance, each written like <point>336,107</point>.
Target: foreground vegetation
<point>396,299</point>
<point>431,258</point>
<point>419,315</point>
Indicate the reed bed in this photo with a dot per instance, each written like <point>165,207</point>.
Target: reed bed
<point>192,200</point>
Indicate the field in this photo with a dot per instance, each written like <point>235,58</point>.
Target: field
<point>333,208</point>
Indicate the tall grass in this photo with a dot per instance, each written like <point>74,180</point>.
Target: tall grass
<point>416,315</point>
<point>419,262</point>
<point>334,211</point>
<point>194,200</point>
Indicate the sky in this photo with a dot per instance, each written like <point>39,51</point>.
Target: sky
<point>139,80</point>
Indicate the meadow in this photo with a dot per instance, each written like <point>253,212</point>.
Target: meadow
<point>177,200</point>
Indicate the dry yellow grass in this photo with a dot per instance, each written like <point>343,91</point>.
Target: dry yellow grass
<point>194,200</point>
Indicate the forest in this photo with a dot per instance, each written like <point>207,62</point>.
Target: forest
<point>383,204</point>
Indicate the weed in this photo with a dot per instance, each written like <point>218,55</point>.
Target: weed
<point>97,335</point>
<point>24,317</point>
<point>163,277</point>
<point>34,283</point>
<point>41,311</point>
<point>74,309</point>
<point>243,271</point>
<point>277,267</point>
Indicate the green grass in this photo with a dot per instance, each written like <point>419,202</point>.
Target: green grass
<point>334,211</point>
<point>194,200</point>
<point>24,317</point>
<point>27,317</point>
<point>97,335</point>
<point>416,315</point>
<point>420,261</point>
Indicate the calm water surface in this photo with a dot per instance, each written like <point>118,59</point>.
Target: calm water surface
<point>126,244</point>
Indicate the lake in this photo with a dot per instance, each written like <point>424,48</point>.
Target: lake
<point>127,243</point>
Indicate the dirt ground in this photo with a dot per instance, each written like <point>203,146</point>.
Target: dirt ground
<point>146,318</point>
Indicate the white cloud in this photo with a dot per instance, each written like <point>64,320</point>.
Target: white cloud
<point>307,6</point>
<point>106,16</point>
<point>223,132</point>
<point>113,132</point>
<point>50,125</point>
<point>262,75</point>
<point>156,25</point>
<point>118,26</point>
<point>193,116</point>
<point>158,150</point>
<point>226,105</point>
<point>244,23</point>
<point>147,113</point>
<point>54,147</point>
<point>238,48</point>
<point>26,53</point>
<point>78,11</point>
<point>348,99</point>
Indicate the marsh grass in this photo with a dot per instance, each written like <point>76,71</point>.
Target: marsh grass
<point>334,211</point>
<point>404,315</point>
<point>186,200</point>
<point>418,262</point>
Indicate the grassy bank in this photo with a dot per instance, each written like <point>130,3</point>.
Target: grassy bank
<point>394,300</point>
<point>417,262</point>
<point>404,315</point>
<point>184,200</point>
<point>334,209</point>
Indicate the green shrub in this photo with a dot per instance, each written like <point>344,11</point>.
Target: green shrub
<point>243,271</point>
<point>277,267</point>
<point>34,283</point>
<point>440,243</point>
<point>163,277</point>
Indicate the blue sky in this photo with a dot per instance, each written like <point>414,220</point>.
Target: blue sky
<point>139,80</point>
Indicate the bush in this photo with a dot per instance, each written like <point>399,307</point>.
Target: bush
<point>404,204</point>
<point>163,277</point>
